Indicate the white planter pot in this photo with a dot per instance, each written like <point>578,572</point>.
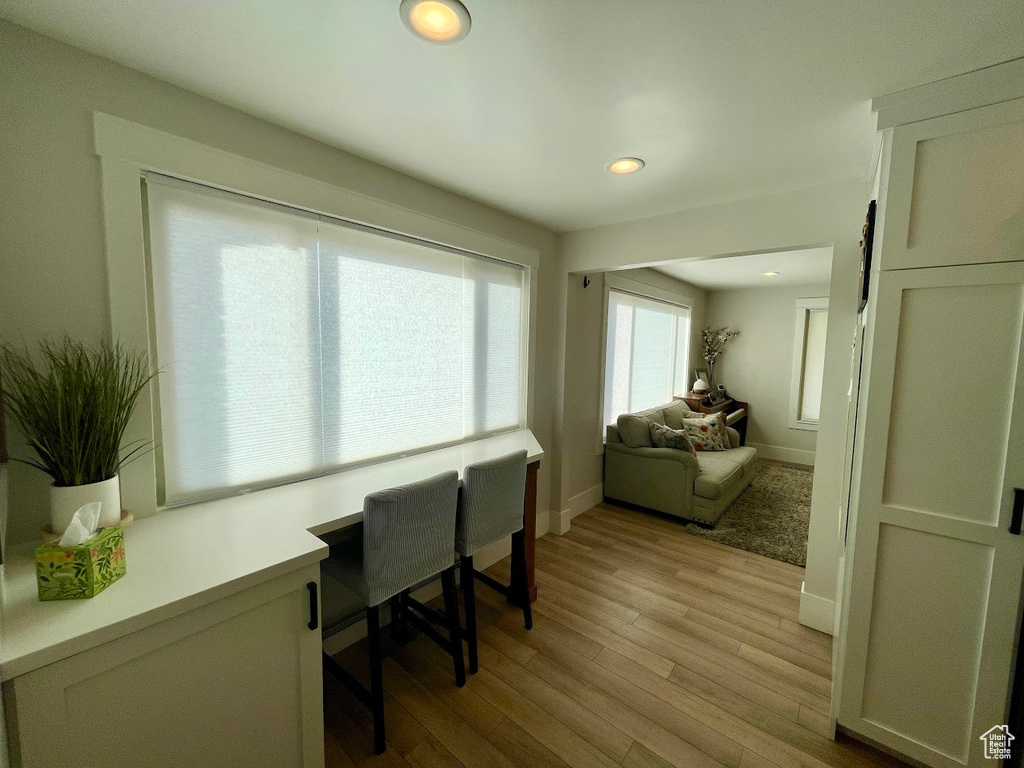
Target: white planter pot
<point>65,501</point>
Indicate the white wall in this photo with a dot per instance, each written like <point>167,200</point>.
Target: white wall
<point>51,238</point>
<point>582,474</point>
<point>828,214</point>
<point>756,366</point>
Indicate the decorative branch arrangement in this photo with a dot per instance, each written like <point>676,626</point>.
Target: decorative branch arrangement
<point>714,342</point>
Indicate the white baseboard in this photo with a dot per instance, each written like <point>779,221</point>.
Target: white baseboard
<point>484,558</point>
<point>349,635</point>
<point>357,631</point>
<point>492,553</point>
<point>543,523</point>
<point>578,504</point>
<point>581,502</point>
<point>780,453</point>
<point>559,523</point>
<point>817,612</point>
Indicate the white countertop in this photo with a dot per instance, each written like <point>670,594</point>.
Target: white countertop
<point>182,558</point>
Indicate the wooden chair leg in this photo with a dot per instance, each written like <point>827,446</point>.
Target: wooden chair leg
<point>451,610</point>
<point>515,570</point>
<point>520,586</point>
<point>398,609</point>
<point>469,594</point>
<point>376,678</point>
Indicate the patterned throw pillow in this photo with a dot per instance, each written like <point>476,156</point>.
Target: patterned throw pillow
<point>707,433</point>
<point>666,437</point>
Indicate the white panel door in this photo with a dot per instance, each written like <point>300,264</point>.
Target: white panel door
<point>935,579</point>
<point>956,189</point>
<point>234,684</point>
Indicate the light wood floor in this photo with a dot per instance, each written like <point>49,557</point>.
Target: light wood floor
<point>650,647</point>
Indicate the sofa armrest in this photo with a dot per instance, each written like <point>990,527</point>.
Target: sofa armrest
<point>657,478</point>
<point>665,454</point>
<point>734,437</point>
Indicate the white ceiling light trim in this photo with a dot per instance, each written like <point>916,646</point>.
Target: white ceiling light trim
<point>437,21</point>
<point>624,165</point>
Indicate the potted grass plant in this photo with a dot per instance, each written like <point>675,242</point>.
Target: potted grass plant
<point>72,403</point>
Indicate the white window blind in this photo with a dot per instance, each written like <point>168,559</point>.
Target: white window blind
<point>291,343</point>
<point>814,365</point>
<point>646,353</point>
<point>808,363</point>
<point>421,346</point>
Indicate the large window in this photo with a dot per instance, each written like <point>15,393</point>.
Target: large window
<point>646,353</point>
<point>808,363</point>
<point>291,343</point>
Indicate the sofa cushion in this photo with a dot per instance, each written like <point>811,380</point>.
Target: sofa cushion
<point>745,457</point>
<point>707,433</point>
<point>655,414</point>
<point>675,413</point>
<point>635,428</point>
<point>666,437</point>
<point>717,477</point>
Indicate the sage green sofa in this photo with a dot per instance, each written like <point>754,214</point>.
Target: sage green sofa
<point>669,480</point>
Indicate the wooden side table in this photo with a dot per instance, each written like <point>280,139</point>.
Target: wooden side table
<point>729,406</point>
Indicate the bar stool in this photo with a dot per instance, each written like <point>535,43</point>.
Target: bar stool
<point>407,540</point>
<point>490,508</point>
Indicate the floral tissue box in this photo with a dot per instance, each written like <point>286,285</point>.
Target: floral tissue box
<point>73,573</point>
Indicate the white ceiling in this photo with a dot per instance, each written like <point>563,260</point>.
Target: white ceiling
<point>809,266</point>
<point>723,100</point>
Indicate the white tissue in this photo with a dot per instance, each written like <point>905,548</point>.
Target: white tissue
<point>83,525</point>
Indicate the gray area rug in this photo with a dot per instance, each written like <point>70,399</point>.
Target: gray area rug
<point>770,517</point>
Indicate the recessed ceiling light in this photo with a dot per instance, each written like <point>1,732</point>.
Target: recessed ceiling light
<point>437,21</point>
<point>770,274</point>
<point>625,165</point>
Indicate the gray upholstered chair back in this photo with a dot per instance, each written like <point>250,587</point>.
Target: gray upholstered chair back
<point>408,535</point>
<point>491,503</point>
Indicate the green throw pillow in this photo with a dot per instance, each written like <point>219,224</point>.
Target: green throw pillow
<point>666,437</point>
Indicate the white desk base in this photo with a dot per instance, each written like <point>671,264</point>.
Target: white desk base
<point>214,606</point>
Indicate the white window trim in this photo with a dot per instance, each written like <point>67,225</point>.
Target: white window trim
<point>803,307</point>
<point>127,150</point>
<point>638,288</point>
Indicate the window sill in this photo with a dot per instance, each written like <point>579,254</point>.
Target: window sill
<point>806,426</point>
